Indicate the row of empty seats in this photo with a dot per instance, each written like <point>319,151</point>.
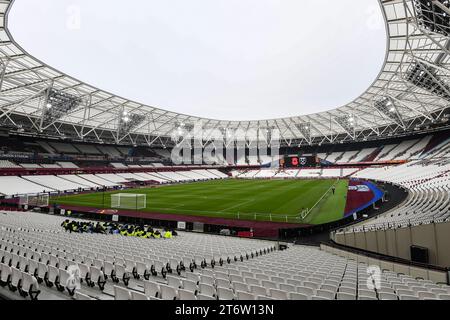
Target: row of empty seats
<point>14,185</point>
<point>69,148</point>
<point>293,173</point>
<point>57,165</point>
<point>35,254</point>
<point>428,194</point>
<point>36,244</point>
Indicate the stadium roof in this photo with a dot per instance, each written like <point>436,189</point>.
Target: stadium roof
<point>411,93</point>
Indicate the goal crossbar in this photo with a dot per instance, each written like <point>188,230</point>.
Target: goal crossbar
<point>129,201</point>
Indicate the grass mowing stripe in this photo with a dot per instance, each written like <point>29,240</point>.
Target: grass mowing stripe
<point>271,200</point>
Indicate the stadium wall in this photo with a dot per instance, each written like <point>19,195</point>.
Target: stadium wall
<point>397,242</point>
<point>385,263</point>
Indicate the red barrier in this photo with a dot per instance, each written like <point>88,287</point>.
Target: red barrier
<point>245,234</point>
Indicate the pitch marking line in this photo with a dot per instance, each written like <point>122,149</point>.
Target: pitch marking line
<point>237,205</point>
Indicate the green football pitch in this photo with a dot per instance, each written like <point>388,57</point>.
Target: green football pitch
<point>263,200</point>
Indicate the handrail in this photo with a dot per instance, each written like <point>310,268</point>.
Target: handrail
<point>371,254</point>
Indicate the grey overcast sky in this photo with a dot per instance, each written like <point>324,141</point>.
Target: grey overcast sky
<point>221,59</point>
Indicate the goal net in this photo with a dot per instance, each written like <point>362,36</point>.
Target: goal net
<point>129,201</point>
<point>34,200</point>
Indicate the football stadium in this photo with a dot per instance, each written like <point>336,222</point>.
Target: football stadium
<point>104,197</point>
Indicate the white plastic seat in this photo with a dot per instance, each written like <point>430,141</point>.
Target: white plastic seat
<point>326,294</point>
<point>258,290</point>
<point>121,293</point>
<point>287,287</point>
<point>30,286</point>
<point>363,297</point>
<point>52,276</point>
<point>269,284</point>
<point>108,269</point>
<point>345,296</point>
<point>81,296</point>
<point>65,283</point>
<point>42,271</point>
<point>367,293</point>
<point>122,274</point>
<point>130,267</point>
<point>245,295</point>
<point>236,278</point>
<point>306,291</point>
<point>348,290</point>
<point>193,277</point>
<point>313,285</point>
<point>438,291</point>
<point>264,298</point>
<point>252,281</point>
<point>174,282</point>
<point>142,270</point>
<point>262,276</point>
<point>294,282</point>
<point>207,280</point>
<point>16,278</point>
<point>138,296</point>
<point>277,279</point>
<point>32,267</point>
<point>186,295</point>
<point>278,294</point>
<point>225,294</point>
<point>84,272</point>
<point>206,289</point>
<point>96,277</point>
<point>208,273</point>
<point>53,261</point>
<point>45,258</point>
<point>204,297</point>
<point>408,297</point>
<point>405,292</point>
<point>329,287</point>
<point>23,263</point>
<point>387,296</point>
<point>190,286</point>
<point>238,286</point>
<point>221,275</point>
<point>98,264</point>
<point>224,283</point>
<point>151,289</point>
<point>426,295</point>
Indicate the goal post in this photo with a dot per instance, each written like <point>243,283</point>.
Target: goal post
<point>34,200</point>
<point>133,201</point>
<point>129,201</point>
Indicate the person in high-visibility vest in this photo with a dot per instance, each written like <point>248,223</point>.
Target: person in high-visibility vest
<point>139,232</point>
<point>149,233</point>
<point>131,231</point>
<point>167,235</point>
<point>65,224</point>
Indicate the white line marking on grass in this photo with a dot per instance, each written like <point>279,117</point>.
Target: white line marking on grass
<point>237,205</point>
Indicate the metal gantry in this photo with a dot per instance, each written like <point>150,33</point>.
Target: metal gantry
<point>411,92</point>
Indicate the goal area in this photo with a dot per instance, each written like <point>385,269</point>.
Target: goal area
<point>132,201</point>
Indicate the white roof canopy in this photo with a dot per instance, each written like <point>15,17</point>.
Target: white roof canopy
<point>397,101</point>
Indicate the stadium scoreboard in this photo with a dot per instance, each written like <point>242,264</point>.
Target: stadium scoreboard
<point>299,161</point>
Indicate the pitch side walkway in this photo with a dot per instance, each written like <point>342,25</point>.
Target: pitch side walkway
<point>263,229</point>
